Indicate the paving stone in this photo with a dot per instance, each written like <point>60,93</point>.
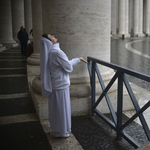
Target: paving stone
<point>142,46</point>
<point>93,133</point>
<point>123,57</point>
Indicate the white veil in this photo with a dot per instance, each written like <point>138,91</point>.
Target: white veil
<point>45,47</point>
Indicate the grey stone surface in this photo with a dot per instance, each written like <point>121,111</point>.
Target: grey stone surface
<point>94,134</point>
<point>19,125</point>
<point>27,135</point>
<point>15,106</point>
<point>123,57</point>
<point>13,85</point>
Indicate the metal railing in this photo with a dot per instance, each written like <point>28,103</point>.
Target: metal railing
<point>120,74</point>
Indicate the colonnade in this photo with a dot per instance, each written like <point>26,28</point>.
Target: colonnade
<point>130,18</point>
<point>82,29</point>
<point>14,14</point>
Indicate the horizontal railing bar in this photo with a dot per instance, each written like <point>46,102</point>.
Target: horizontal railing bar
<point>122,69</point>
<point>135,115</point>
<point>104,118</point>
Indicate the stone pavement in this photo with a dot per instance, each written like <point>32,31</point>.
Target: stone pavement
<point>20,127</point>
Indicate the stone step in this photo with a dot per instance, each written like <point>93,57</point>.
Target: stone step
<point>2,48</point>
<point>79,106</point>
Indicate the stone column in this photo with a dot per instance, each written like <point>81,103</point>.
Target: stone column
<point>28,15</point>
<point>147,17</point>
<point>73,25</point>
<point>17,16</point>
<point>127,19</point>
<point>6,22</point>
<point>117,12</point>
<point>122,10</point>
<point>136,17</point>
<point>34,60</point>
<point>131,17</point>
<point>140,34</point>
<point>114,16</point>
<point>82,29</point>
<point>144,16</point>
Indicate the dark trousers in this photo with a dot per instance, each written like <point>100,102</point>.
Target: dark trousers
<point>23,49</point>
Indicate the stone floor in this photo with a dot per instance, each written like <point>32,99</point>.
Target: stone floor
<point>20,127</point>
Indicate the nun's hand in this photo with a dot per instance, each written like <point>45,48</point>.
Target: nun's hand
<point>82,59</point>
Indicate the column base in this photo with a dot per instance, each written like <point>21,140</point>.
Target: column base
<point>33,66</point>
<point>16,39</point>
<point>124,35</point>
<point>148,34</point>
<point>31,37</point>
<point>34,59</point>
<point>2,48</point>
<point>141,35</point>
<point>8,41</point>
<point>80,95</point>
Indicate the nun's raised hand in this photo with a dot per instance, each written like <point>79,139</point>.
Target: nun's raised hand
<point>82,59</point>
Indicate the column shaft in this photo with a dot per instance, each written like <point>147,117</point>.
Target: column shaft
<point>6,22</point>
<point>147,16</point>
<point>28,15</point>
<point>127,19</point>
<point>73,23</point>
<point>114,15</point>
<point>140,18</point>
<point>37,24</point>
<point>122,4</point>
<point>136,17</point>
<point>34,60</point>
<point>17,16</point>
<point>131,12</point>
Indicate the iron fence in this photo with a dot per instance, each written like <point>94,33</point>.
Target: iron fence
<point>120,74</point>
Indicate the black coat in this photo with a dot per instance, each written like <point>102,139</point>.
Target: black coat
<point>23,36</point>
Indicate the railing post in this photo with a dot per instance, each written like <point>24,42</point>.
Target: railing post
<point>119,104</point>
<point>93,88</point>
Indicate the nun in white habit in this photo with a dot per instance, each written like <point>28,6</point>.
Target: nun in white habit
<point>55,68</point>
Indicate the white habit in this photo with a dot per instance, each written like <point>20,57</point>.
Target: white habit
<point>55,69</point>
<point>59,100</point>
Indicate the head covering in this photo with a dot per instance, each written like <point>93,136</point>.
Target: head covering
<point>45,47</point>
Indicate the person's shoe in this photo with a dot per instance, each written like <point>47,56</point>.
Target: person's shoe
<point>65,135</point>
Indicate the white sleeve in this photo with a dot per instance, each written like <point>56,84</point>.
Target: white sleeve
<point>74,61</point>
<point>64,62</point>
